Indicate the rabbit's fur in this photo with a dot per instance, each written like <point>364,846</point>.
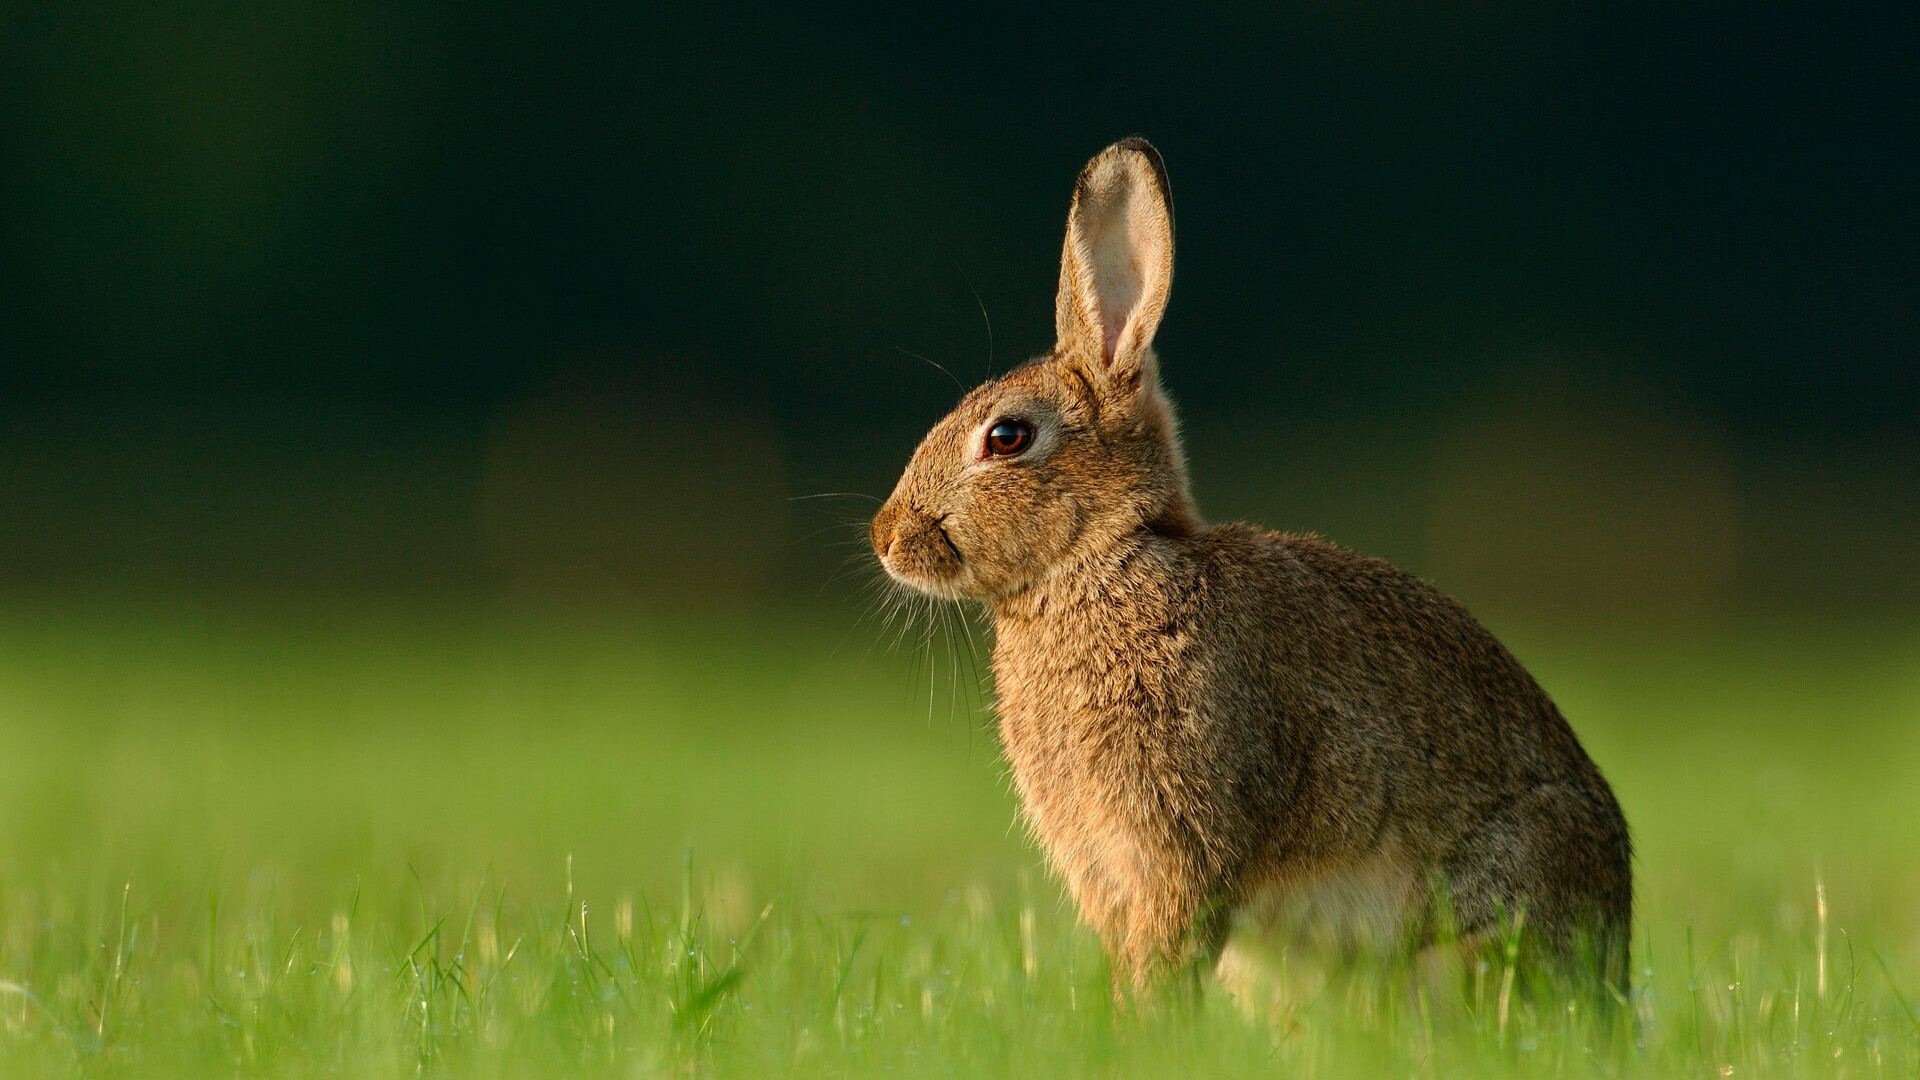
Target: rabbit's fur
<point>1205,720</point>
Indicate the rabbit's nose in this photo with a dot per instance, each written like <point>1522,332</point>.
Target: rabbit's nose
<point>885,530</point>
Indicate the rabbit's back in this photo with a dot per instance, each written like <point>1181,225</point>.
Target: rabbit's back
<point>1404,698</point>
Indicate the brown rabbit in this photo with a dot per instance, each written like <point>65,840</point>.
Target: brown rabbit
<point>1205,720</point>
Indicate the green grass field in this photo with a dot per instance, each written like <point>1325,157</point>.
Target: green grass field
<point>357,841</point>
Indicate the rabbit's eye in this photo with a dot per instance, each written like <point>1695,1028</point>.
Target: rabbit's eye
<point>1009,438</point>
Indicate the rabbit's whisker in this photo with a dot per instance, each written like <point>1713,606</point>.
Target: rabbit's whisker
<point>941,367</point>
<point>982,305</point>
<point>835,495</point>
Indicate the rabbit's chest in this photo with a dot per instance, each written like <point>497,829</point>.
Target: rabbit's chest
<point>1085,711</point>
<point>1109,753</point>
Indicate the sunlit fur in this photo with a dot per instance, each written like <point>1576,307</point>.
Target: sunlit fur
<point>1206,722</point>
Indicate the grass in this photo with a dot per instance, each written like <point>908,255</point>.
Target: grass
<point>299,839</point>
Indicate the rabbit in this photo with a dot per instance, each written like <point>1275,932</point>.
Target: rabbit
<point>1204,722</point>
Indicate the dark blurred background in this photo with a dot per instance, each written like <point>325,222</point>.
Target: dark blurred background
<point>1579,310</point>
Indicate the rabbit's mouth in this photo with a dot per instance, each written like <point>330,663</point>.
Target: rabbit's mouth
<point>916,550</point>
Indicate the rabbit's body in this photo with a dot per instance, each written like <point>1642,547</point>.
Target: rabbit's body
<point>1211,720</point>
<point>1196,722</point>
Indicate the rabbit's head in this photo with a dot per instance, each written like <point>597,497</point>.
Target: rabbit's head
<point>1076,448</point>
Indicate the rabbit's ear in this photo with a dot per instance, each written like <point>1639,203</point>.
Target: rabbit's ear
<point>1117,265</point>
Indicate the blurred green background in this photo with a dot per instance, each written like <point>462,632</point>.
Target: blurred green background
<point>1584,310</point>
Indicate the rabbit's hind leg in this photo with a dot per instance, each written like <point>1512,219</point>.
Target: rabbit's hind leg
<point>1544,877</point>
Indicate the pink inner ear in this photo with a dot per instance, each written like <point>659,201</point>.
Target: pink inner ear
<point>1117,280</point>
<point>1119,234</point>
